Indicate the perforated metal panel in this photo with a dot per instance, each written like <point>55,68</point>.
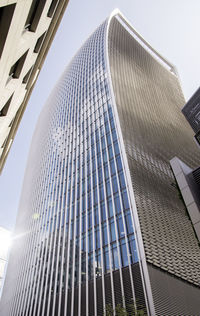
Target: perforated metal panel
<point>196,175</point>
<point>172,295</point>
<point>100,309</point>
<point>138,286</point>
<point>91,298</point>
<point>149,100</point>
<point>117,288</point>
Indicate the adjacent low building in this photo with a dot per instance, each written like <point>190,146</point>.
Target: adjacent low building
<point>4,250</point>
<point>27,29</point>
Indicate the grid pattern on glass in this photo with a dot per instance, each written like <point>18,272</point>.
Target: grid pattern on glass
<point>79,222</point>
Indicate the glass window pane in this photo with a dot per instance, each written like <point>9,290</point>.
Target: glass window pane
<point>115,259</point>
<point>100,175</point>
<point>90,242</point>
<point>83,243</point>
<point>103,143</point>
<point>105,237</point>
<point>97,239</point>
<point>99,161</point>
<point>94,179</point>
<point>105,157</point>
<point>110,208</point>
<point>96,216</point>
<point>83,187</point>
<point>132,249</point>
<point>119,163</point>
<point>90,266</point>
<point>106,127</point>
<point>135,251</point>
<point>112,232</point>
<point>125,200</point>
<point>77,227</point>
<point>108,139</point>
<point>83,203</point>
<point>112,167</point>
<point>108,189</point>
<point>95,197</point>
<point>106,262</point>
<point>98,147</point>
<point>116,148</point>
<point>129,223</point>
<point>117,204</point>
<point>83,224</point>
<point>122,180</point>
<point>103,212</point>
<point>110,152</point>
<point>101,192</point>
<point>124,256</point>
<point>114,135</point>
<point>106,173</point>
<point>90,219</point>
<point>114,184</point>
<point>120,225</point>
<point>93,165</point>
<point>98,266</point>
<point>89,201</point>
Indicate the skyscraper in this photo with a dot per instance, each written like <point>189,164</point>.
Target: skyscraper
<point>101,221</point>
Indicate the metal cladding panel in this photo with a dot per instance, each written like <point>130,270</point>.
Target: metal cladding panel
<point>196,175</point>
<point>191,111</point>
<point>138,286</point>
<point>172,295</point>
<point>108,291</point>
<point>91,299</point>
<point>117,287</point>
<point>100,309</point>
<point>149,100</point>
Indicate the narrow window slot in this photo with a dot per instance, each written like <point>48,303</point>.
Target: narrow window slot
<point>4,110</point>
<point>34,15</point>
<point>52,8</point>
<point>16,69</point>
<point>6,14</point>
<point>39,43</point>
<point>26,77</point>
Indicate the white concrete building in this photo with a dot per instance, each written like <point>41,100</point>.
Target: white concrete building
<point>5,240</point>
<point>27,29</point>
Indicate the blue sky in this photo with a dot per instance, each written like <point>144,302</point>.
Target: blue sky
<point>170,26</point>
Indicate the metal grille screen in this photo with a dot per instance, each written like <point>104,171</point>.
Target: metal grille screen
<point>172,296</point>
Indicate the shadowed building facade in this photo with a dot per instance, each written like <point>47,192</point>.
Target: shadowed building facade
<point>100,220</point>
<point>191,111</point>
<point>27,29</point>
<point>188,179</point>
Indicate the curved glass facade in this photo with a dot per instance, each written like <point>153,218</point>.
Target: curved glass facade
<point>77,222</point>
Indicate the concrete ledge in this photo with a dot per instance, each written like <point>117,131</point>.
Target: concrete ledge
<point>189,191</point>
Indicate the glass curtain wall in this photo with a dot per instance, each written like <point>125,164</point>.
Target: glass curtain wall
<point>75,214</point>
